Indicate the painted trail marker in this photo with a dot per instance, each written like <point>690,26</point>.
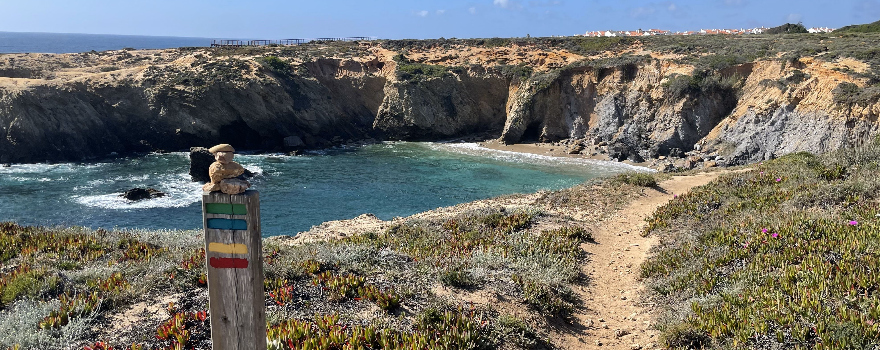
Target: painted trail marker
<point>233,248</point>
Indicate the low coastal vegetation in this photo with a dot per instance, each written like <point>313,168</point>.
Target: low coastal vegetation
<point>784,255</point>
<point>421,283</point>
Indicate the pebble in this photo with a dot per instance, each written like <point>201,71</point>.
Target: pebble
<point>598,343</point>
<point>635,347</point>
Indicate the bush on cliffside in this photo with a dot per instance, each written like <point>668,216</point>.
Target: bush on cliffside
<point>849,94</point>
<point>408,70</point>
<point>276,64</point>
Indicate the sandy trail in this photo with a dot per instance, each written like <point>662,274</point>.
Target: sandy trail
<point>614,315</point>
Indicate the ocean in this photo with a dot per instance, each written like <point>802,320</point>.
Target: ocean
<point>15,42</point>
<point>388,180</point>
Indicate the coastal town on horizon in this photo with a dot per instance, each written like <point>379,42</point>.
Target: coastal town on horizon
<point>651,32</point>
<point>597,33</point>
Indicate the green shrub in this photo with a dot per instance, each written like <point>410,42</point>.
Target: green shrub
<point>276,64</point>
<point>552,299</point>
<point>788,28</point>
<point>458,277</point>
<point>519,71</point>
<point>849,94</point>
<point>28,284</point>
<point>509,328</point>
<point>637,179</point>
<point>684,336</point>
<point>497,42</point>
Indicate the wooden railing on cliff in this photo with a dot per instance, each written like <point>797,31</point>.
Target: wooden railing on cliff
<point>281,42</point>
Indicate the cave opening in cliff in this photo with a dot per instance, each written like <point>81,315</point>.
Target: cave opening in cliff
<point>238,133</point>
<point>532,132</point>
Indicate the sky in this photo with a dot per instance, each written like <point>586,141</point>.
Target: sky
<point>416,19</point>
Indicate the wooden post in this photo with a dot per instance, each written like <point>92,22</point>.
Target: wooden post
<point>233,248</point>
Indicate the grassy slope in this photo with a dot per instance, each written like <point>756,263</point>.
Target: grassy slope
<point>63,286</point>
<point>785,255</point>
<point>860,28</point>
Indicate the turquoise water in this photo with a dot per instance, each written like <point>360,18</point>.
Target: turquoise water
<point>296,192</point>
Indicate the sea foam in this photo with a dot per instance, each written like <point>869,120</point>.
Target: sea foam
<point>179,191</point>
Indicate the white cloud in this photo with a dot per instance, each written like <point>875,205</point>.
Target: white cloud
<point>794,18</point>
<point>440,12</point>
<point>502,3</point>
<point>545,3</point>
<point>639,12</point>
<point>473,10</point>
<point>672,7</point>
<point>422,13</point>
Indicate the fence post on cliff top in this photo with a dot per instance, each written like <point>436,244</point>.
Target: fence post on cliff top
<point>233,254</point>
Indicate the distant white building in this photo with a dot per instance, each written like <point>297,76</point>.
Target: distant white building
<point>820,30</point>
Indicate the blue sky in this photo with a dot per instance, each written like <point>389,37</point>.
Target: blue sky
<point>418,19</point>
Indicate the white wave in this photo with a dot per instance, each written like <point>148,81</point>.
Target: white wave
<point>256,169</point>
<point>179,192</point>
<point>128,179</point>
<point>61,168</point>
<point>474,149</point>
<point>30,179</point>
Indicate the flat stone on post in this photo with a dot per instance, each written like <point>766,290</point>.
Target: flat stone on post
<point>233,248</point>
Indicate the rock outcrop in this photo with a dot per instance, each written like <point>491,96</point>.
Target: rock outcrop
<point>136,194</point>
<point>200,160</point>
<point>82,106</point>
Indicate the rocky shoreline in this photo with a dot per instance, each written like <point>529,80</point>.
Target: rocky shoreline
<point>600,150</point>
<point>643,105</point>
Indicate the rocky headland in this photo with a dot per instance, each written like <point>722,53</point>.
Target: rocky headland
<point>676,102</point>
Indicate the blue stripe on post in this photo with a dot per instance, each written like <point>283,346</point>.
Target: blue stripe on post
<point>239,225</point>
<point>227,224</point>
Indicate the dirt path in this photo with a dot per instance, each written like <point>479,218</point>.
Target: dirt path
<point>614,315</point>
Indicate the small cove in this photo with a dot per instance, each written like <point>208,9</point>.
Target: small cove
<point>297,192</point>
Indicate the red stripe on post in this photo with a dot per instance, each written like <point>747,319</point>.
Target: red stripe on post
<point>229,263</point>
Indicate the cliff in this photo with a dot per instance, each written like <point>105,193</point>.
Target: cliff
<point>642,98</point>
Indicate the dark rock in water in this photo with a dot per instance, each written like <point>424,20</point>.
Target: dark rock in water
<point>199,161</point>
<point>136,194</point>
<point>6,165</point>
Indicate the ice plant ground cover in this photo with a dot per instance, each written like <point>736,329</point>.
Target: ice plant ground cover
<point>785,255</point>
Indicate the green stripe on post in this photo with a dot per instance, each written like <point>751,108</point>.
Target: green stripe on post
<point>239,209</point>
<point>225,208</point>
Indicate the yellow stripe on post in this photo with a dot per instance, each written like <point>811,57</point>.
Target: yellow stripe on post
<point>227,248</point>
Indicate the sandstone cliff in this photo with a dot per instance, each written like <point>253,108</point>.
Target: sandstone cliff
<point>648,102</point>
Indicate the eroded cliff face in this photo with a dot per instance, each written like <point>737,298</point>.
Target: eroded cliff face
<point>80,106</point>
